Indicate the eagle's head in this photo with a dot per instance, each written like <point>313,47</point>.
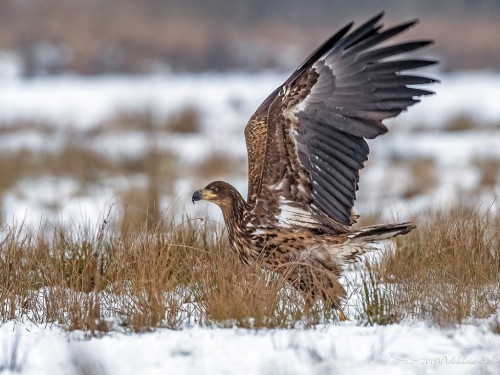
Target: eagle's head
<point>225,196</point>
<point>218,192</point>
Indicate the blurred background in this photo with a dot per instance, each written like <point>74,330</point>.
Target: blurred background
<point>91,37</point>
<point>122,108</point>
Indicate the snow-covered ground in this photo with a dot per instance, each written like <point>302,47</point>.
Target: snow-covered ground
<point>226,102</point>
<point>226,99</point>
<point>331,349</point>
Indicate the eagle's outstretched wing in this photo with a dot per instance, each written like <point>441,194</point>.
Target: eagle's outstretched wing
<point>306,143</point>
<point>256,129</point>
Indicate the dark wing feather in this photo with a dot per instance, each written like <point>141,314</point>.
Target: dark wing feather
<point>256,129</point>
<point>318,120</point>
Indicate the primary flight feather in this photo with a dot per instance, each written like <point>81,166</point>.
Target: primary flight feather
<point>306,144</point>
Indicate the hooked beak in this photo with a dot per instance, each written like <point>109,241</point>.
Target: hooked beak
<point>196,196</point>
<point>203,194</point>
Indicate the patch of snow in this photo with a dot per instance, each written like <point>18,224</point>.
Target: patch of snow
<point>475,93</point>
<point>226,101</point>
<point>10,65</point>
<point>343,348</point>
<point>84,101</point>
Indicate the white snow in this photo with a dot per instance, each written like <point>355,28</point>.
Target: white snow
<point>84,101</point>
<point>473,93</point>
<point>226,101</point>
<point>332,349</point>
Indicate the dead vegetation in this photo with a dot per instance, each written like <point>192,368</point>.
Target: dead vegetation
<point>489,170</point>
<point>418,174</point>
<point>445,272</point>
<point>219,164</point>
<point>459,123</point>
<point>186,121</point>
<point>175,276</point>
<point>462,122</point>
<point>79,162</point>
<point>422,177</point>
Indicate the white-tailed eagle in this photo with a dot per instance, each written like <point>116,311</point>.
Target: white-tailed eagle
<point>306,144</point>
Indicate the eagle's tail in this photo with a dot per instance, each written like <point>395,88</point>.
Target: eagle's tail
<point>379,232</point>
<point>360,241</point>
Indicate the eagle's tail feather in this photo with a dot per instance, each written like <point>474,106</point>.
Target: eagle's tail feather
<point>360,241</point>
<point>379,232</point>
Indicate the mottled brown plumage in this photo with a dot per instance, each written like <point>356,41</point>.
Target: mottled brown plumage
<point>306,145</point>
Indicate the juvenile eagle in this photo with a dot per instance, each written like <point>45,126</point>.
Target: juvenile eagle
<point>306,144</point>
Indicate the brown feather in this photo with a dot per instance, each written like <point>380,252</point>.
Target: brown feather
<point>255,136</point>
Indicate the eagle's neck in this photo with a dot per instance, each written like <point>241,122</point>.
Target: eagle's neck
<point>234,209</point>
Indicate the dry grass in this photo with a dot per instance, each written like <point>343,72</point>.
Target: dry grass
<point>145,120</point>
<point>27,125</point>
<point>175,276</point>
<point>125,119</point>
<point>140,210</point>
<point>489,169</point>
<point>422,177</point>
<point>419,174</point>
<point>219,164</point>
<point>12,166</point>
<point>495,325</point>
<point>378,307</point>
<point>446,271</point>
<point>462,122</point>
<point>84,164</point>
<point>185,121</point>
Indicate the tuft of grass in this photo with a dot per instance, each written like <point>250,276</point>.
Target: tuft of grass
<point>220,164</point>
<point>495,324</point>
<point>422,177</point>
<point>186,121</point>
<point>377,302</point>
<point>460,123</point>
<point>27,124</point>
<point>446,271</point>
<point>489,170</point>
<point>125,119</point>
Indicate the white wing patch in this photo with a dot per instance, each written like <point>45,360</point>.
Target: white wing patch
<point>292,216</point>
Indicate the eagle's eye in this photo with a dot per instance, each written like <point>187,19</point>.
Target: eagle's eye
<point>215,189</point>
